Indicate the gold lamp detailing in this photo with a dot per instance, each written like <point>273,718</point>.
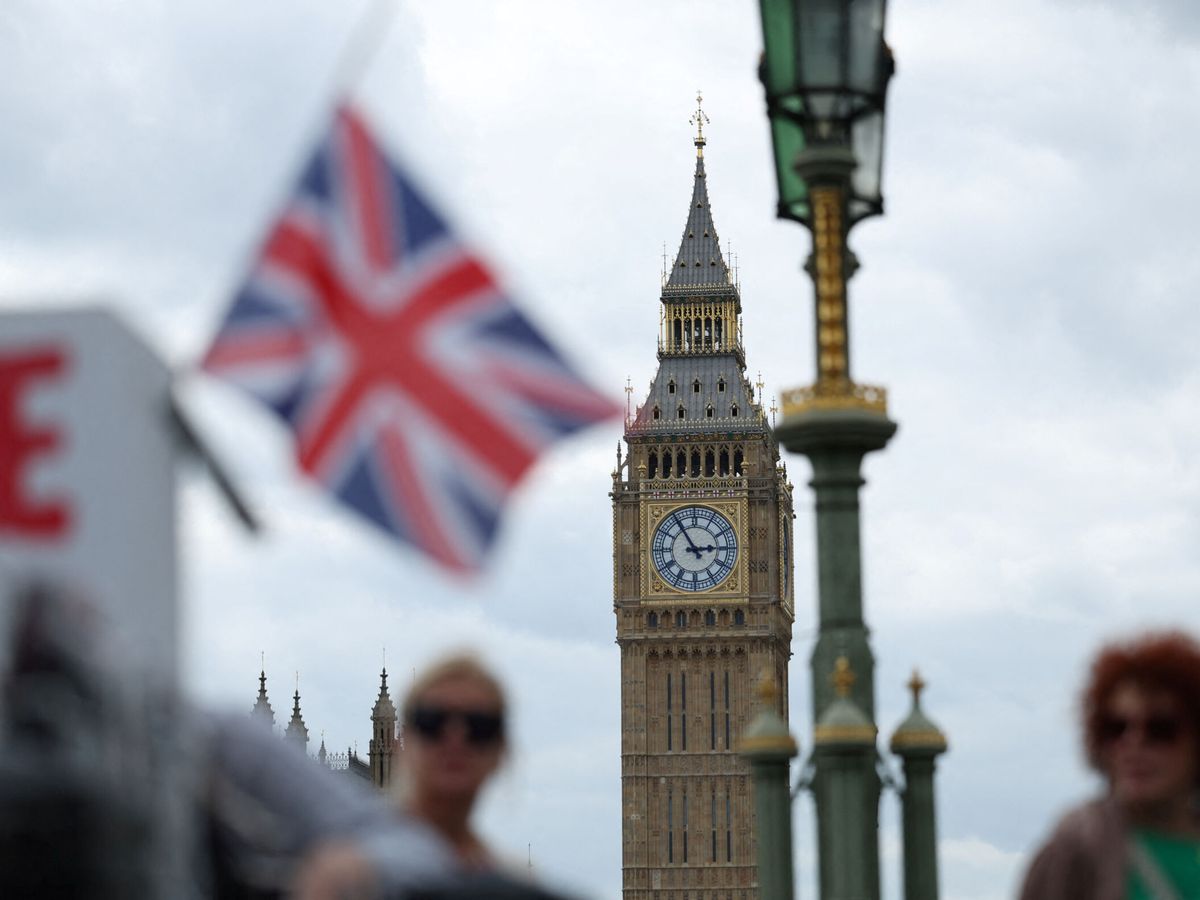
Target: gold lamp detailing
<point>768,734</point>
<point>916,734</point>
<point>843,722</point>
<point>699,119</point>
<point>834,395</point>
<point>834,388</point>
<point>843,677</point>
<point>830,276</point>
<point>916,684</point>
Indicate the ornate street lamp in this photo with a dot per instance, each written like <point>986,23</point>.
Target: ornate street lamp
<point>826,68</point>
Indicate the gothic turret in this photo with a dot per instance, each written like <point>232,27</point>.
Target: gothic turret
<point>262,706</point>
<point>383,734</point>
<point>296,730</point>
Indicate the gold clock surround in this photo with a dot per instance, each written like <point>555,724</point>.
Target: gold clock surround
<point>654,588</point>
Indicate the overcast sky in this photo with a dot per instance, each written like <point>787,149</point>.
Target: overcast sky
<point>1029,300</point>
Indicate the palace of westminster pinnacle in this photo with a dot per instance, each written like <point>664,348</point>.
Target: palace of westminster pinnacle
<point>702,591</point>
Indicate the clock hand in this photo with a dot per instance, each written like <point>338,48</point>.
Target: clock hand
<point>692,548</point>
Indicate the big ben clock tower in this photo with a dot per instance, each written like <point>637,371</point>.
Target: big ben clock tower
<point>702,585</point>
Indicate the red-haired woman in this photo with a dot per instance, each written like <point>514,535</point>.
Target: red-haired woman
<point>1141,731</point>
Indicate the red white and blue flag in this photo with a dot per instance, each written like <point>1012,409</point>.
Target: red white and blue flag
<point>418,393</point>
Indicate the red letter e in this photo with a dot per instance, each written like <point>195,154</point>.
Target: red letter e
<point>19,444</point>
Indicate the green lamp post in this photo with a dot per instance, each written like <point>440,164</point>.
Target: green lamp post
<point>846,789</point>
<point>769,747</point>
<point>918,743</point>
<point>826,68</point>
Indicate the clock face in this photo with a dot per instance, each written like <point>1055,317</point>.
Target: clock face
<point>694,548</point>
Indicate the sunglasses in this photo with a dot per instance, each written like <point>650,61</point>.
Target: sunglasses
<point>1159,730</point>
<point>481,728</point>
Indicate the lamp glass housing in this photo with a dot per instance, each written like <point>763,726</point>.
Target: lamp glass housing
<point>826,68</point>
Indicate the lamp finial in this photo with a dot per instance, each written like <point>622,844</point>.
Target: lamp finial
<point>916,684</point>
<point>843,676</point>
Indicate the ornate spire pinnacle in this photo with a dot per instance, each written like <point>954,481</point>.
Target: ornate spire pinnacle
<point>699,262</point>
<point>385,709</point>
<point>296,730</point>
<point>262,706</point>
<point>699,119</point>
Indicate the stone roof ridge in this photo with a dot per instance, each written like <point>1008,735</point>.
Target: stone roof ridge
<point>699,263</point>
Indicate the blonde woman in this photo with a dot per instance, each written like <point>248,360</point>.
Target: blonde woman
<point>454,740</point>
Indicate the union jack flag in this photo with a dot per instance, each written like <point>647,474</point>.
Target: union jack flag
<point>417,392</point>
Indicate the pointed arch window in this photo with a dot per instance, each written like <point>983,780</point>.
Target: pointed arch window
<point>656,413</point>
<point>682,412</point>
<point>670,824</point>
<point>652,620</point>
<point>696,386</point>
<point>733,411</point>
<point>720,382</point>
<point>708,411</point>
<point>671,386</point>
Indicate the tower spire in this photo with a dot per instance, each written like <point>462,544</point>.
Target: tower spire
<point>699,262</point>
<point>296,730</point>
<point>383,734</point>
<point>262,706</point>
<point>699,119</point>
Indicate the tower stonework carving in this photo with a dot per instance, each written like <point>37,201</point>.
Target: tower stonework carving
<point>702,586</point>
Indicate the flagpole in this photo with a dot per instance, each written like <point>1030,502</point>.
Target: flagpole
<point>363,44</point>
